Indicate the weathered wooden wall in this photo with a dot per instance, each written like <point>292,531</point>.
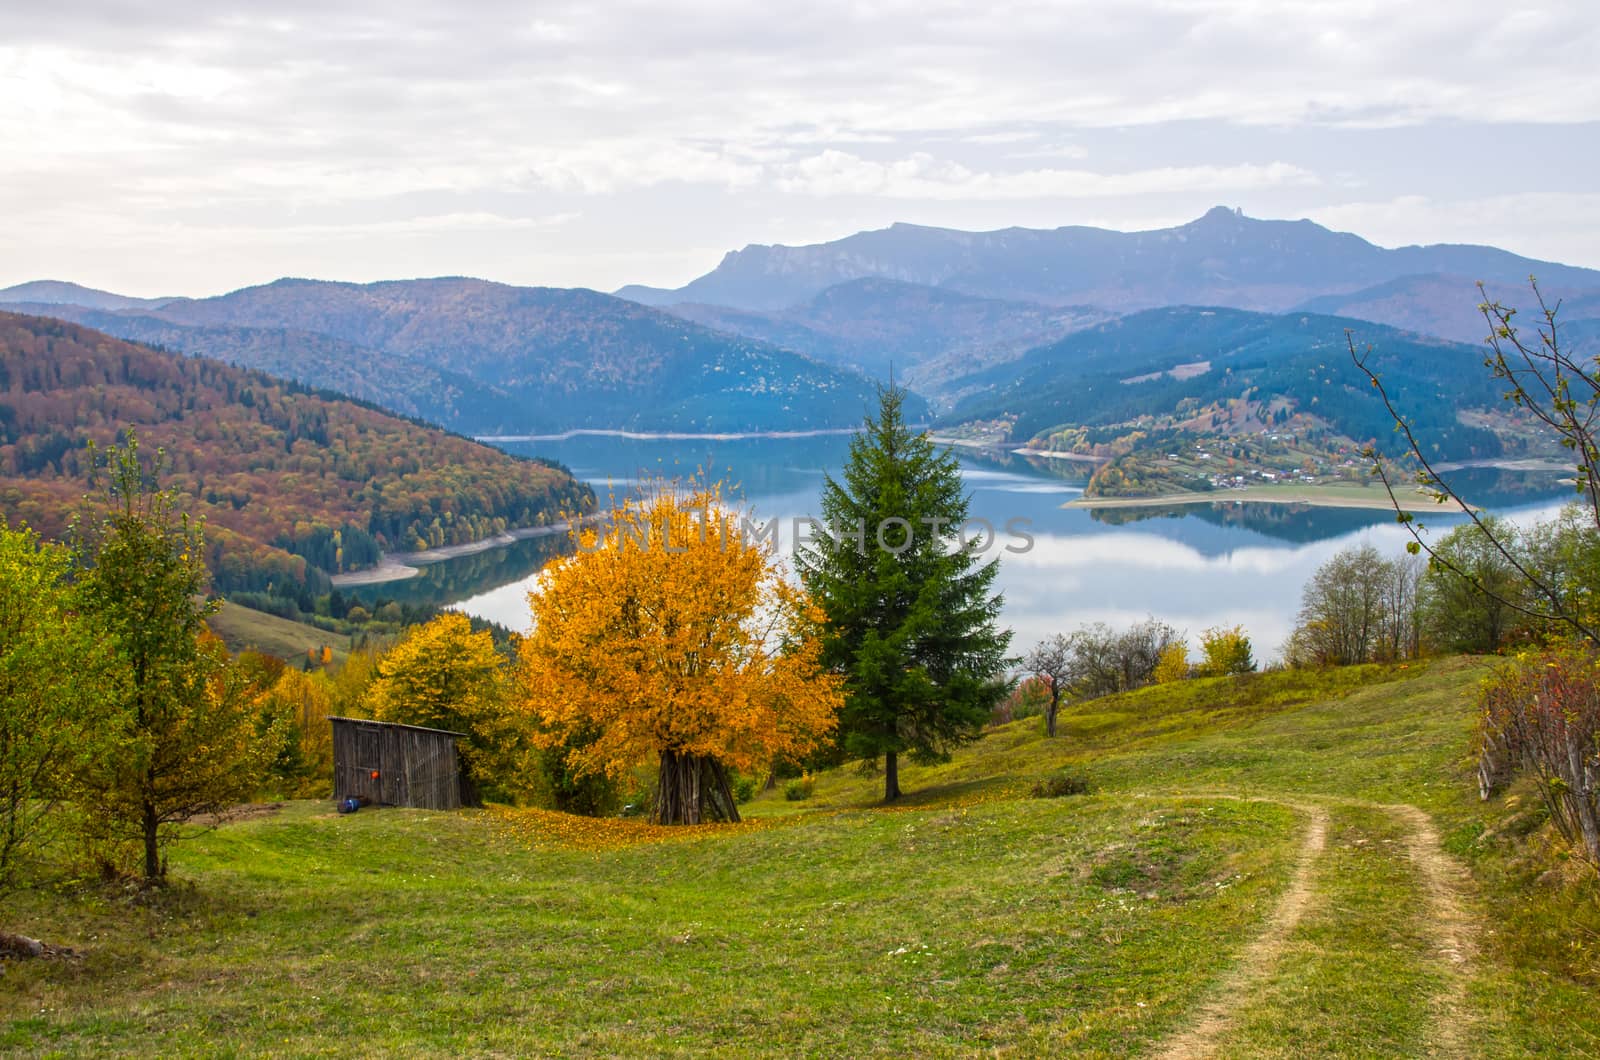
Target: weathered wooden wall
<point>414,766</point>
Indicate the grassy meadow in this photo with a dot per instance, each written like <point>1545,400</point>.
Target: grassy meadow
<point>243,628</point>
<point>1278,865</point>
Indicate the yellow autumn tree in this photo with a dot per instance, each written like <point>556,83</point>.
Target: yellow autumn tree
<point>302,702</point>
<point>1225,650</point>
<point>1173,665</point>
<point>442,675</point>
<point>669,637</point>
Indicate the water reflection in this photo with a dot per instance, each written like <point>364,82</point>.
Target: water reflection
<point>452,580</point>
<point>1195,567</point>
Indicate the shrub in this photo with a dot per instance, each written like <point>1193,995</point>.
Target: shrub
<point>1027,700</point>
<point>1058,784</point>
<point>744,789</point>
<point>1541,716</point>
<point>570,791</point>
<point>800,789</point>
<point>1225,651</point>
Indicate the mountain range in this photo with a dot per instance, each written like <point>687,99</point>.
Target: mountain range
<point>488,358</point>
<point>62,293</point>
<point>926,336</point>
<point>790,338</point>
<point>1223,258</point>
<point>944,305</point>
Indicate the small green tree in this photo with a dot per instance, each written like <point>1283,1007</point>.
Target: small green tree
<point>1472,589</point>
<point>1225,650</point>
<point>187,740</point>
<point>50,709</point>
<point>910,619</point>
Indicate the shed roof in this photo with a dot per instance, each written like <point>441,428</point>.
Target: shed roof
<point>396,725</point>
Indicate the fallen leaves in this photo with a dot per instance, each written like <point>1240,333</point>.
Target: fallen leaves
<point>550,828</point>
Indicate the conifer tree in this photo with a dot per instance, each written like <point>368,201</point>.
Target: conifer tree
<point>910,617</point>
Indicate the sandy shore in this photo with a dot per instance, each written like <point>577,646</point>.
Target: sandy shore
<point>398,566</point>
<point>1081,458</point>
<point>1315,497</point>
<point>998,446</point>
<point>389,569</point>
<point>1531,464</point>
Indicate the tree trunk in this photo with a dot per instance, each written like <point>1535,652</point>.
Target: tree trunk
<point>152,853</point>
<point>692,790</point>
<point>891,777</point>
<point>1050,715</point>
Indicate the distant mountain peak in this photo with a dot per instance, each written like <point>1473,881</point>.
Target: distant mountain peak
<point>63,292</point>
<point>1223,257</point>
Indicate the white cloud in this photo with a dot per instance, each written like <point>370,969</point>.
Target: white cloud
<point>1554,226</point>
<point>605,167</point>
<point>215,113</point>
<point>921,176</point>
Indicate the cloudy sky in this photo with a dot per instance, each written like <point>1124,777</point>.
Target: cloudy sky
<point>189,147</point>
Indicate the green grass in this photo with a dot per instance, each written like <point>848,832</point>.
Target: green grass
<point>972,920</point>
<point>244,628</point>
<point>1354,978</point>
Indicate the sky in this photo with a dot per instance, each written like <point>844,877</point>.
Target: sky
<point>197,146</point>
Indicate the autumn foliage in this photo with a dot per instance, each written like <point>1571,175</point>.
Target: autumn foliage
<point>1225,650</point>
<point>445,675</point>
<point>294,484</point>
<point>668,637</point>
<point>1540,717</point>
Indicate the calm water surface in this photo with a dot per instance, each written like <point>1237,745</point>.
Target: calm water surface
<point>1194,567</point>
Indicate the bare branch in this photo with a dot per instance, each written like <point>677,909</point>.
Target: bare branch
<point>1443,491</point>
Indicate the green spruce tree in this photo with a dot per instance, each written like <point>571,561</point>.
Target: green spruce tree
<point>910,612</point>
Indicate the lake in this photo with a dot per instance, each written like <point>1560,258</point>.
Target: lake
<point>1194,567</point>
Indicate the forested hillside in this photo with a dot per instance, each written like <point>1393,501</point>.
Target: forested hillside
<point>294,483</point>
<point>490,358</point>
<point>1196,367</point>
<point>317,360</point>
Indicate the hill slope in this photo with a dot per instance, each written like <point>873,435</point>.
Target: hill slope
<point>1290,864</point>
<point>489,358</point>
<point>59,292</point>
<point>294,484</point>
<point>1447,306</point>
<point>1223,258</point>
<point>927,335</point>
<point>1180,364</point>
<point>414,389</point>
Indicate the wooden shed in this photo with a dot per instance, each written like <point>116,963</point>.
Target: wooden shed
<point>399,765</point>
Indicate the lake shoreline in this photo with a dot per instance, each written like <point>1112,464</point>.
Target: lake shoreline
<point>399,566</point>
<point>666,436</point>
<point>1313,497</point>
<point>1006,448</point>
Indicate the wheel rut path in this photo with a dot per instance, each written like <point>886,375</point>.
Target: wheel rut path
<point>1449,927</point>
